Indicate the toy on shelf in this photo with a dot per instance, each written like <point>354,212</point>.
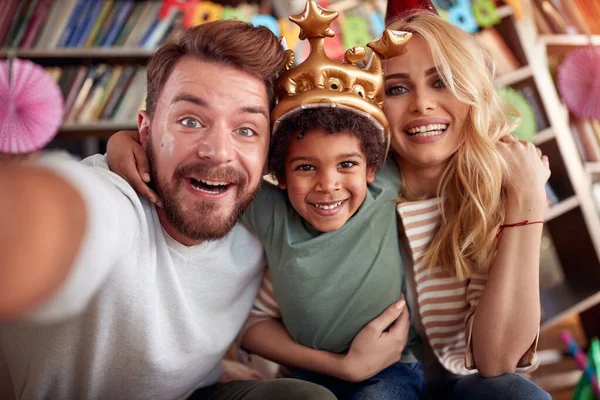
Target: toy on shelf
<point>587,388</point>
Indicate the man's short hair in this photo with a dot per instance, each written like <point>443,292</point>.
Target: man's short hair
<point>233,43</point>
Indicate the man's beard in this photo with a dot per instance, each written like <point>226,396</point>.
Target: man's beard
<point>197,223</point>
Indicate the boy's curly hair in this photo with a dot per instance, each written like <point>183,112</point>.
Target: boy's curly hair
<point>333,121</point>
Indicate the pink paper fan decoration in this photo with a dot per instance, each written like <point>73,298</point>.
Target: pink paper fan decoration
<point>31,107</point>
<point>579,82</point>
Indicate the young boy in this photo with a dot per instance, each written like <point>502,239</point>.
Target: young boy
<point>329,229</point>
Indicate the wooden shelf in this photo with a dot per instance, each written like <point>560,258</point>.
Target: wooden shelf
<point>567,298</point>
<point>560,44</point>
<point>561,208</point>
<point>102,129</point>
<point>543,136</point>
<point>514,77</point>
<point>79,53</point>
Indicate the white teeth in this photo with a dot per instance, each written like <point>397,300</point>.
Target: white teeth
<point>427,134</point>
<point>212,183</point>
<point>427,128</point>
<point>200,189</point>
<point>328,207</point>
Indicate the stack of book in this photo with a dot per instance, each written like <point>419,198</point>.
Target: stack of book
<point>503,57</point>
<point>587,138</point>
<point>567,16</point>
<point>51,24</point>
<point>101,92</point>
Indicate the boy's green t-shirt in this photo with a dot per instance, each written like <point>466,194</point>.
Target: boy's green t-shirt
<point>330,285</point>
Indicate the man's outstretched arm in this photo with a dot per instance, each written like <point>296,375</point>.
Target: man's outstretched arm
<point>42,225</point>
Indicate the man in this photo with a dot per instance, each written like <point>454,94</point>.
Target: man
<point>106,296</point>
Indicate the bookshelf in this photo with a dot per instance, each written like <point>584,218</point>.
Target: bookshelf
<point>573,224</point>
<point>97,52</point>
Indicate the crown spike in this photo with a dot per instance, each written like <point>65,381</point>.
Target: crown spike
<point>391,44</point>
<point>354,55</point>
<point>314,21</point>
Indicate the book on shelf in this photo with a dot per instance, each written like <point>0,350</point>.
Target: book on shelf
<point>52,24</point>
<point>551,273</point>
<point>101,92</point>
<point>97,24</point>
<point>586,134</point>
<point>530,93</point>
<point>35,24</point>
<point>567,16</point>
<point>118,22</point>
<point>503,57</point>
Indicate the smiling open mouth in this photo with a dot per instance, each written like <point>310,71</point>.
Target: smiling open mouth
<point>208,186</point>
<point>427,130</point>
<point>328,206</point>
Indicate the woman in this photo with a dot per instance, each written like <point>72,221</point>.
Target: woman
<point>465,179</point>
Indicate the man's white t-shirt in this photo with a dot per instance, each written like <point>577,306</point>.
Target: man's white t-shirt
<point>140,316</point>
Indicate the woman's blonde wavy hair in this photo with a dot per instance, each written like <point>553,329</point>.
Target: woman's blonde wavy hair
<point>471,186</point>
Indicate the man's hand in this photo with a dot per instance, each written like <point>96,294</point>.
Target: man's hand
<point>236,371</point>
<point>374,349</point>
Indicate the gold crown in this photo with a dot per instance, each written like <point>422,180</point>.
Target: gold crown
<point>321,82</point>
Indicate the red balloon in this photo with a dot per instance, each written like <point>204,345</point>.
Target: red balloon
<point>398,7</point>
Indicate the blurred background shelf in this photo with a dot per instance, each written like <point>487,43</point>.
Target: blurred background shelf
<point>543,136</point>
<point>514,77</point>
<point>561,208</point>
<point>568,298</point>
<point>100,129</point>
<point>562,44</point>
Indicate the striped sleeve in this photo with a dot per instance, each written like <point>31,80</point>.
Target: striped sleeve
<point>265,306</point>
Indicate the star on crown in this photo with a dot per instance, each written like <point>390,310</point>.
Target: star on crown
<point>314,21</point>
<point>391,44</point>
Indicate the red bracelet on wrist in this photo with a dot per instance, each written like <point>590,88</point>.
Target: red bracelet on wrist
<point>522,223</point>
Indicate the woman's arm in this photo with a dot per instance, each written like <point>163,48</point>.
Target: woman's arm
<point>507,318</point>
<point>372,350</point>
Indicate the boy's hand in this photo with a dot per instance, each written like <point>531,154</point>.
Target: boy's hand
<point>127,158</point>
<point>374,349</point>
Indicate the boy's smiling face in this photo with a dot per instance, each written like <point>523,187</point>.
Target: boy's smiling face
<point>326,177</point>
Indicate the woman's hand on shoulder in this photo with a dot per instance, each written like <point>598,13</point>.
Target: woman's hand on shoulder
<point>529,169</point>
<point>126,157</point>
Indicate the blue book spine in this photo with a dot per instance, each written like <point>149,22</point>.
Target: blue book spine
<point>72,24</point>
<point>149,32</point>
<point>117,23</point>
<point>81,22</point>
<point>89,22</point>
